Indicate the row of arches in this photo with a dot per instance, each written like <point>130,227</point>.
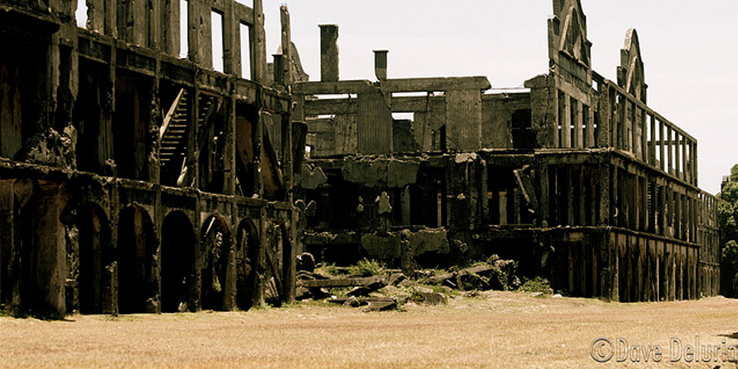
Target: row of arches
<point>129,271</point>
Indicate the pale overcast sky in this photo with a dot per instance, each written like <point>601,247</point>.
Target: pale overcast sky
<point>689,47</point>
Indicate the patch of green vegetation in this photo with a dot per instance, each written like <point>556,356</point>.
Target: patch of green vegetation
<point>367,268</point>
<point>537,284</point>
<point>329,270</point>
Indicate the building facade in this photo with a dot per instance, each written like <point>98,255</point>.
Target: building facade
<point>137,173</point>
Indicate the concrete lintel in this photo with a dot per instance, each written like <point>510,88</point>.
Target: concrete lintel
<point>436,84</point>
<point>331,88</point>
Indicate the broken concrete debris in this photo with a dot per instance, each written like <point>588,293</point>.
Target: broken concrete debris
<point>390,289</point>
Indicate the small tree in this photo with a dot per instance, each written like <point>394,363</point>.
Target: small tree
<point>728,222</point>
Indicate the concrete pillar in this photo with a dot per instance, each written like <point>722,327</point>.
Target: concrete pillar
<point>259,43</point>
<point>328,53</point>
<point>286,45</point>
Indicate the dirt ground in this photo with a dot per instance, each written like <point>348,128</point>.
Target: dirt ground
<point>492,330</point>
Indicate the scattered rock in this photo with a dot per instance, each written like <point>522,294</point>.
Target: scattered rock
<point>380,304</point>
<point>366,290</point>
<point>431,298</point>
<point>152,305</point>
<point>306,262</point>
<point>302,293</point>
<point>352,302</point>
<point>396,279</point>
<point>556,296</point>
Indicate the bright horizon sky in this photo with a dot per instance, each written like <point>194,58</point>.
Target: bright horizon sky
<point>690,51</point>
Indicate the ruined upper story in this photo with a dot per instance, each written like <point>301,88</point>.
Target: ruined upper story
<point>183,29</point>
<point>572,107</point>
<point>167,92</point>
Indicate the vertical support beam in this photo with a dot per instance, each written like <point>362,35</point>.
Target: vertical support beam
<point>604,124</point>
<point>503,207</point>
<point>565,119</point>
<point>154,24</point>
<point>588,116</point>
<point>109,9</point>
<point>661,146</point>
<point>576,121</point>
<point>615,268</point>
<point>619,116</point>
<point>570,195</point>
<point>170,30</point>
<point>605,192</point>
<point>643,127</point>
<point>570,263</point>
<point>670,140</point>
<point>543,220</point>
<point>684,173</point>
<point>284,19</point>
<point>652,140</point>
<point>9,248</point>
<point>579,200</point>
<point>258,142</point>
<point>328,52</point>
<point>193,32</point>
<point>231,54</point>
<point>693,151</point>
<point>544,100</point>
<point>677,154</point>
<point>229,151</point>
<point>258,44</point>
<point>261,267</point>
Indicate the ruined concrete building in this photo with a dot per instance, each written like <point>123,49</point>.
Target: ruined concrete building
<point>576,177</point>
<point>144,168</point>
<point>140,169</point>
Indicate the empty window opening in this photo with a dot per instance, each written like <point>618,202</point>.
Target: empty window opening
<point>216,36</point>
<point>183,29</point>
<point>404,116</point>
<point>308,151</point>
<point>245,37</point>
<point>402,131</point>
<point>336,96</point>
<point>410,94</point>
<point>522,131</point>
<point>81,13</point>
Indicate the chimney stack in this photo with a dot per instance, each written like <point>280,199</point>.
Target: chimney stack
<point>380,64</point>
<point>328,53</point>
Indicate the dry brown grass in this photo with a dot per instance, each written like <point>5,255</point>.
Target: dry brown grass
<point>497,329</point>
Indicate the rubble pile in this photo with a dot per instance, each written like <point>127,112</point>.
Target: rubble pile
<point>389,289</point>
